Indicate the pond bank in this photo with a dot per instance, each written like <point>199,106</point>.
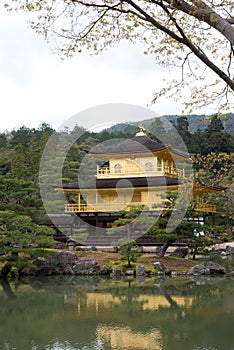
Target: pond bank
<point>109,264</point>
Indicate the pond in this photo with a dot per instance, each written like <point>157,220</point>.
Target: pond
<point>94,313</point>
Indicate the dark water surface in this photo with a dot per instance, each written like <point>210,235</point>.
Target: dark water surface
<point>67,313</point>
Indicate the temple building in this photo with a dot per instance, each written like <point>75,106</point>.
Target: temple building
<point>130,172</point>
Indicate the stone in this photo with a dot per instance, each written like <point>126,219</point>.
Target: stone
<point>178,273</point>
<point>86,267</point>
<point>116,272</point>
<point>223,254</point>
<point>62,262</point>
<point>207,268</point>
<point>215,268</point>
<point>129,273</point>
<point>63,257</point>
<point>199,270</point>
<point>160,273</point>
<point>40,262</point>
<point>65,263</point>
<point>161,268</point>
<point>140,270</point>
<point>43,271</point>
<point>180,252</point>
<point>68,270</point>
<point>229,250</point>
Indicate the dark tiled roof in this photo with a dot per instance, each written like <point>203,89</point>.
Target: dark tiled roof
<point>122,183</point>
<point>137,144</point>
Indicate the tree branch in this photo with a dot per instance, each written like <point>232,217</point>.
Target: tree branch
<point>206,14</point>
<point>200,54</point>
<point>155,23</point>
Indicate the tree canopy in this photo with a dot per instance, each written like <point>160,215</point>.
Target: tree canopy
<point>196,36</point>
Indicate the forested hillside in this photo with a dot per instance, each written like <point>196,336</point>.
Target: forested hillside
<point>195,122</point>
<point>211,136</point>
<point>202,121</point>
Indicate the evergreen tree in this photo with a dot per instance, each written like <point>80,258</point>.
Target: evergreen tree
<point>182,128</point>
<point>21,136</point>
<point>215,138</point>
<point>3,141</point>
<point>196,144</point>
<point>18,233</point>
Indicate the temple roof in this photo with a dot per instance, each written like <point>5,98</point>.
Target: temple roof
<point>152,181</point>
<point>137,144</point>
<point>122,183</point>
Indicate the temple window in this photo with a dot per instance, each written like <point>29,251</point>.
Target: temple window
<point>149,166</point>
<point>118,168</point>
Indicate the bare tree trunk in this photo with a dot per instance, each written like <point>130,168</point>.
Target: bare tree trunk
<point>161,252</point>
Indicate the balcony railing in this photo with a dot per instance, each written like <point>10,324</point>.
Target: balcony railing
<point>136,171</point>
<point>105,207</point>
<point>116,206</point>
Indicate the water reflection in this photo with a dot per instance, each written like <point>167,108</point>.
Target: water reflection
<point>66,313</point>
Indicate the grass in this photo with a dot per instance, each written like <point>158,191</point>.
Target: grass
<point>103,258</point>
<point>107,259</point>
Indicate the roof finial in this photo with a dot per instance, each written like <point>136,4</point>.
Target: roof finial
<point>142,131</point>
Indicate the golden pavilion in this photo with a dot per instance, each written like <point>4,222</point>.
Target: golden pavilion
<point>130,172</point>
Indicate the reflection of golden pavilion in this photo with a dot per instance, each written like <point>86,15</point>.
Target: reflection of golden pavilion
<point>105,307</point>
<point>124,338</point>
<point>153,302</point>
<point>98,302</point>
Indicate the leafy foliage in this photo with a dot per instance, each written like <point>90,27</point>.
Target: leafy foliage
<point>214,168</point>
<point>128,252</point>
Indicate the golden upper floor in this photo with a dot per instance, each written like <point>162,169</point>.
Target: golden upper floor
<point>138,156</point>
<point>124,167</point>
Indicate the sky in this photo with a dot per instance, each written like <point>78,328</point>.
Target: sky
<point>37,86</point>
